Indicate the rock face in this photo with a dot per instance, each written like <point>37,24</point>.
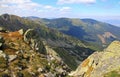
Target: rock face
<point>100,63</point>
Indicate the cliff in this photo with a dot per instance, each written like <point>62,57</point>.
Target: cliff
<point>101,64</point>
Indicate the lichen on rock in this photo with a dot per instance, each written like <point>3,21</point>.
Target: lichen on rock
<point>100,63</point>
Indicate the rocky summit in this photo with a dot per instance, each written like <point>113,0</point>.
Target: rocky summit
<point>20,56</point>
<point>101,64</point>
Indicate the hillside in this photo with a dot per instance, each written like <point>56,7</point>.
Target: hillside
<point>22,56</point>
<point>101,64</point>
<point>71,50</point>
<point>93,31</point>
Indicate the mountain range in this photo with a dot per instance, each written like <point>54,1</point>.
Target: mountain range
<point>40,47</point>
<point>98,33</point>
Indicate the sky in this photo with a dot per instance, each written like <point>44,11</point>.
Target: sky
<point>105,10</point>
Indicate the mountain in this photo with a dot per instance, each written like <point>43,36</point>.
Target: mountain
<point>71,50</point>
<point>40,47</point>
<point>93,31</point>
<point>20,56</point>
<point>101,64</point>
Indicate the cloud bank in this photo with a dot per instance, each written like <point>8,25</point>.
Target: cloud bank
<point>30,8</point>
<point>76,1</point>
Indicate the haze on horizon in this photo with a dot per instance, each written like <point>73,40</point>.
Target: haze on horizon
<point>104,10</point>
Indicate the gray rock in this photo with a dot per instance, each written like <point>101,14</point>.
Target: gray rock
<point>59,70</point>
<point>26,35</point>
<point>49,75</point>
<point>11,57</point>
<point>21,31</point>
<point>2,54</point>
<point>40,70</point>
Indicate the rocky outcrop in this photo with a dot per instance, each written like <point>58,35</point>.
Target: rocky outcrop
<point>26,35</point>
<point>19,58</point>
<point>100,63</point>
<point>52,55</point>
<point>34,40</point>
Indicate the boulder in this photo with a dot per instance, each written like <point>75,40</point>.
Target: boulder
<point>27,36</point>
<point>21,31</point>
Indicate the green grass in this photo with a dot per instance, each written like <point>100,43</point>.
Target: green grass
<point>67,58</point>
<point>3,63</point>
<point>112,74</point>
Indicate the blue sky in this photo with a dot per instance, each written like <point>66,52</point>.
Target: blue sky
<point>97,9</point>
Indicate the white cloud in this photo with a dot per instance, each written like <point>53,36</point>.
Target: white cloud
<point>18,7</point>
<point>14,1</point>
<point>48,7</point>
<point>4,5</point>
<point>30,8</point>
<point>19,3</point>
<point>76,1</point>
<point>65,9</point>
